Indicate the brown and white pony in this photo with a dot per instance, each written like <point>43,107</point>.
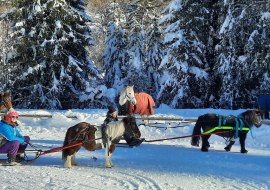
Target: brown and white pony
<point>5,101</point>
<point>96,137</point>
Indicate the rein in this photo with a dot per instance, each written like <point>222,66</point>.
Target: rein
<point>186,136</point>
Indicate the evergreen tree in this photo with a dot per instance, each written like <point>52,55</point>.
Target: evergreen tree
<point>6,46</point>
<point>239,53</point>
<point>154,55</point>
<point>135,67</point>
<point>184,82</point>
<point>53,65</point>
<point>115,58</point>
<point>259,51</point>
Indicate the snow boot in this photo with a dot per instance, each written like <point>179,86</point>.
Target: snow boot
<point>19,158</point>
<point>11,160</point>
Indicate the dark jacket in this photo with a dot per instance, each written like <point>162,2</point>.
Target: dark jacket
<point>110,118</point>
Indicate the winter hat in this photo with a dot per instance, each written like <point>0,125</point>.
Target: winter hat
<point>111,109</point>
<point>11,112</point>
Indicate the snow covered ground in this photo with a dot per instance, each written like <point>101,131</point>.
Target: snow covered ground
<point>167,165</point>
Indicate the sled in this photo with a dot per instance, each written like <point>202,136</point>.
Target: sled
<point>21,154</point>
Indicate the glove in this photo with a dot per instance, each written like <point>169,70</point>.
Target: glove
<point>24,143</point>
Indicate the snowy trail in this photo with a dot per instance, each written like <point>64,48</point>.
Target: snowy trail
<point>149,166</point>
<point>168,165</point>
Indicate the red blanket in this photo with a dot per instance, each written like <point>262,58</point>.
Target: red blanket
<point>144,104</point>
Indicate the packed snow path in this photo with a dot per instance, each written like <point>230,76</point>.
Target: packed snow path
<point>164,165</point>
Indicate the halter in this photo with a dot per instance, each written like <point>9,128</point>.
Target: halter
<point>126,95</point>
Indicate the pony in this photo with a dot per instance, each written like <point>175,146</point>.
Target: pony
<point>238,126</point>
<point>5,101</point>
<point>127,94</point>
<point>95,138</point>
<point>144,105</point>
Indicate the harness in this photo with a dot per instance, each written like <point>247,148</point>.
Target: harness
<point>85,132</point>
<point>239,118</point>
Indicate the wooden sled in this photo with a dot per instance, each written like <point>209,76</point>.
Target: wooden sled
<point>21,154</point>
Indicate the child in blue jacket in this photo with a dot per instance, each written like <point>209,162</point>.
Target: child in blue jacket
<point>10,138</point>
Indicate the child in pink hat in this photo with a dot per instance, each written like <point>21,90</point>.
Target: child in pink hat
<point>10,138</point>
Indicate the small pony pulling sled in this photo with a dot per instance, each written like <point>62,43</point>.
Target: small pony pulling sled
<point>88,136</point>
<point>96,137</point>
<point>237,126</point>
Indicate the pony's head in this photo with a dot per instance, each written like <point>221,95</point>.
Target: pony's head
<point>127,94</point>
<point>5,101</point>
<point>253,117</point>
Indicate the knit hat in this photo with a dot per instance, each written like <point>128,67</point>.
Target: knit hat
<point>111,109</point>
<point>11,112</point>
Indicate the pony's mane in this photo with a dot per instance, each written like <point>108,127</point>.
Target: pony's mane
<point>115,129</point>
<point>123,91</point>
<point>126,119</point>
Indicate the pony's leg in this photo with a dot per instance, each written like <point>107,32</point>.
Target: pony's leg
<point>108,154</point>
<point>242,139</point>
<point>68,162</point>
<point>195,141</point>
<point>73,160</point>
<point>108,158</point>
<point>232,141</point>
<point>205,143</point>
<point>112,148</point>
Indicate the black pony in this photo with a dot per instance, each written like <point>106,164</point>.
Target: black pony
<point>237,126</point>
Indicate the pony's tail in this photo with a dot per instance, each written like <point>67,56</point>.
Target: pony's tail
<point>65,151</point>
<point>195,141</point>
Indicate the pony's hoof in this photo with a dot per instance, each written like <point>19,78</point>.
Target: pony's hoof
<point>194,144</point>
<point>204,150</point>
<point>244,151</point>
<point>108,165</point>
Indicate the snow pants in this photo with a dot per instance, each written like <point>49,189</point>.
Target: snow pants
<point>12,147</point>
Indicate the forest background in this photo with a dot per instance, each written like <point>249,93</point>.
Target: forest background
<point>62,54</point>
